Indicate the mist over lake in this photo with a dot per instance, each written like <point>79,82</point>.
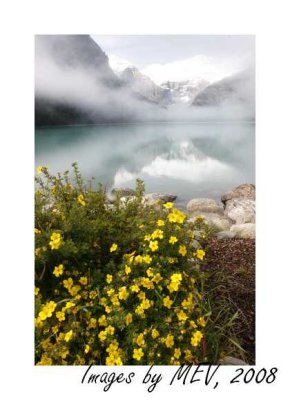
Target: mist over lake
<point>189,159</point>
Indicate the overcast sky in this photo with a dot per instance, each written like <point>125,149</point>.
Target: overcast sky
<point>142,50</point>
<point>180,57</point>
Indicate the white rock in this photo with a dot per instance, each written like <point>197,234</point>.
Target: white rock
<point>244,231</point>
<point>152,198</point>
<point>216,221</point>
<point>228,360</point>
<point>244,191</point>
<point>225,235</point>
<point>241,210</point>
<point>204,205</point>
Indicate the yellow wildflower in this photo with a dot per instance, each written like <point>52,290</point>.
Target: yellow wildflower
<point>147,238</point>
<point>201,321</point>
<point>36,291</point>
<point>113,248</point>
<point>68,305</point>
<point>139,310</point>
<point>167,302</point>
<point>123,294</point>
<point>102,336</point>
<point>55,240</point>
<point>177,353</point>
<point>135,288</point>
<point>160,222</point>
<point>83,280</point>
<point>115,300</point>
<point>128,319</point>
<point>147,283</point>
<point>138,354</point>
<point>127,270</point>
<point>154,333</point>
<point>45,360</point>
<point>173,239</point>
<point>168,205</point>
<point>196,338</point>
<point>182,316</point>
<point>147,259</point>
<point>68,283</point>
<point>169,341</point>
<point>93,294</point>
<point>40,169</point>
<point>37,231</point>
<point>92,323</point>
<point>177,277</point>
<point>74,290</point>
<point>81,200</point>
<point>103,321</point>
<point>109,278</point>
<point>146,304</point>
<point>157,234</point>
<point>60,315</point>
<point>58,270</point>
<point>192,324</point>
<point>149,272</point>
<point>138,259</point>
<point>153,245</point>
<point>68,336</point>
<point>140,340</point>
<point>200,254</point>
<point>110,330</point>
<point>182,250</point>
<point>188,301</point>
<point>87,348</point>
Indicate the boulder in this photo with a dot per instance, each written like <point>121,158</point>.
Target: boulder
<point>244,191</point>
<point>123,192</point>
<point>204,205</point>
<point>228,360</point>
<point>127,199</point>
<point>241,210</point>
<point>244,231</point>
<point>216,221</point>
<point>152,198</point>
<point>225,235</point>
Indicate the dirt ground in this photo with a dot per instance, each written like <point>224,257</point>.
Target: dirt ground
<point>231,265</point>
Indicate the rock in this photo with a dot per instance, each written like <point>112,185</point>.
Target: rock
<point>241,210</point>
<point>204,205</point>
<point>127,199</point>
<point>231,361</point>
<point>244,231</point>
<point>152,198</point>
<point>218,222</point>
<point>124,192</point>
<point>225,235</point>
<point>245,191</point>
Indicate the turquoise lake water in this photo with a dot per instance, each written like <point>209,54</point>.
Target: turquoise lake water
<point>190,159</point>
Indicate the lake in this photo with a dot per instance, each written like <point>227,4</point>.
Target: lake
<point>189,159</point>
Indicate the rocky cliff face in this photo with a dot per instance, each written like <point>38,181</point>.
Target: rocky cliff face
<point>144,86</point>
<point>238,88</point>
<point>184,91</point>
<point>74,84</point>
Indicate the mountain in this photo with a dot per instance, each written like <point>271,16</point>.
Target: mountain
<point>143,85</point>
<point>184,91</point>
<point>236,89</point>
<point>74,84</point>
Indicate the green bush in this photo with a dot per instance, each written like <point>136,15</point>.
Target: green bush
<point>115,284</point>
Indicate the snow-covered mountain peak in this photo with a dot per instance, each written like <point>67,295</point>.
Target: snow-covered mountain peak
<point>119,64</point>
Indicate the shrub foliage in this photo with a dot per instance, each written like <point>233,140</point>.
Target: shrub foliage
<point>114,284</point>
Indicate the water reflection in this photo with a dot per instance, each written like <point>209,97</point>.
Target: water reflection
<point>188,159</point>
